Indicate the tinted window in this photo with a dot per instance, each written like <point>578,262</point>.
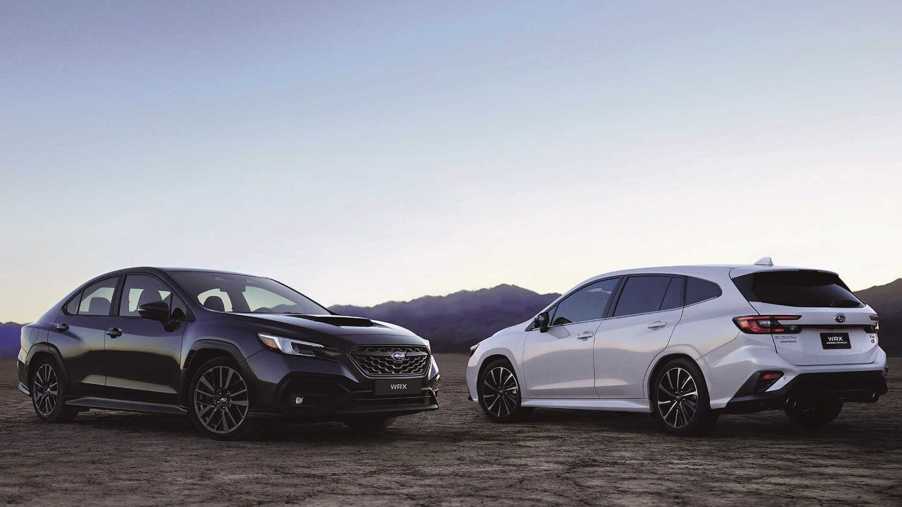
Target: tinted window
<point>642,294</point>
<point>674,296</point>
<point>72,305</point>
<point>805,288</point>
<point>140,290</point>
<point>97,299</point>
<point>226,292</point>
<point>215,299</point>
<point>700,290</point>
<point>588,303</point>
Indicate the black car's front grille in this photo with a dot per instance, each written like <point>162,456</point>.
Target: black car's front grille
<point>392,361</point>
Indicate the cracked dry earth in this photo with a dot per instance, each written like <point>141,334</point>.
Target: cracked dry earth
<point>453,456</point>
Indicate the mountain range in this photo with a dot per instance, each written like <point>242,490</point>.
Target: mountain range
<point>456,321</point>
<point>886,300</point>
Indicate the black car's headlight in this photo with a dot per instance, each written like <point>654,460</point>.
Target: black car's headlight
<point>290,346</point>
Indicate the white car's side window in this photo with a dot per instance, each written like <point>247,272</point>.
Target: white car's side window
<point>587,303</point>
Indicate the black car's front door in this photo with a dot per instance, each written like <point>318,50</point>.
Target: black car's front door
<point>143,356</point>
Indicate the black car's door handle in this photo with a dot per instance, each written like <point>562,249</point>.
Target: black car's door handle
<point>114,332</point>
<point>61,326</point>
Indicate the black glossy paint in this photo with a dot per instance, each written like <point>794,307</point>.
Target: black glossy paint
<point>133,363</point>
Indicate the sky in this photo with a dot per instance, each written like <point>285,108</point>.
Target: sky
<point>371,151</point>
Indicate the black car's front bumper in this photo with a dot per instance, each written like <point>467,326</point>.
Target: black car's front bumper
<point>328,389</point>
<point>857,386</point>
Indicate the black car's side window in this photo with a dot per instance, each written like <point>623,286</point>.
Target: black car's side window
<point>587,303</point>
<point>140,290</point>
<point>642,294</point>
<point>72,305</point>
<point>97,298</point>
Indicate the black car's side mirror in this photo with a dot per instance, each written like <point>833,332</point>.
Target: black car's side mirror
<point>158,310</point>
<point>541,322</point>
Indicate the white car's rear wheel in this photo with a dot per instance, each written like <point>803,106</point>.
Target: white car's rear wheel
<point>680,399</point>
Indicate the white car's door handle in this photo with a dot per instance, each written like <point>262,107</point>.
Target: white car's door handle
<point>585,335</point>
<point>658,324</point>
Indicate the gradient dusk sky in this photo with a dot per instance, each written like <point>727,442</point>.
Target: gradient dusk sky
<point>369,151</point>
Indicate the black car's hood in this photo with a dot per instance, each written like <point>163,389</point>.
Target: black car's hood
<point>342,328</point>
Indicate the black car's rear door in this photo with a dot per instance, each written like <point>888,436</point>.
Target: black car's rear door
<point>142,357</point>
<point>80,336</point>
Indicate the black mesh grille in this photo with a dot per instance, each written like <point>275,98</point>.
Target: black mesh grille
<point>392,361</point>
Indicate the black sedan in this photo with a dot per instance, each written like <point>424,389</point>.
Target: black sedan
<point>222,348</point>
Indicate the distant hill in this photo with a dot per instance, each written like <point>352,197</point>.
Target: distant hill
<point>456,321</point>
<point>887,301</point>
<point>9,339</point>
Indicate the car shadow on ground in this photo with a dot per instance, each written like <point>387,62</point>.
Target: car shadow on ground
<point>770,425</point>
<point>264,429</point>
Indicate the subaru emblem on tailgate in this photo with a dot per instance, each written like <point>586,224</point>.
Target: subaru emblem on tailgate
<point>398,356</point>
<point>840,318</point>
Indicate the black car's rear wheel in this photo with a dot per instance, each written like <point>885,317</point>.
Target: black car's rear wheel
<point>499,392</point>
<point>220,400</point>
<point>47,393</point>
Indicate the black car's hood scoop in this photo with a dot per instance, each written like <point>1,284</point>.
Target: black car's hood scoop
<point>337,320</point>
<point>357,330</point>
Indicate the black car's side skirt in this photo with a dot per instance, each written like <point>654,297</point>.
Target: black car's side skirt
<point>129,406</point>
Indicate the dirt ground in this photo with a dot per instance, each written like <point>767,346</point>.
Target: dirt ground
<point>453,456</point>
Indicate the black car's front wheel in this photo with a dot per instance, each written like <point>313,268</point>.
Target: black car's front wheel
<point>499,392</point>
<point>219,401</point>
<point>47,393</point>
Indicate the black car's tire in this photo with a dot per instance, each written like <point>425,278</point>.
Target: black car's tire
<point>679,399</point>
<point>48,391</point>
<point>499,392</point>
<point>219,400</point>
<point>813,414</point>
<point>369,424</point>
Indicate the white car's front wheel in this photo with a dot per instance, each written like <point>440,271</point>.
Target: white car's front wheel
<point>499,392</point>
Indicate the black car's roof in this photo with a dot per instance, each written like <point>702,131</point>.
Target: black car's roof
<point>171,270</point>
<point>202,270</point>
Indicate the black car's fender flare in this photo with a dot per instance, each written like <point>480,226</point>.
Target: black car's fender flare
<point>207,344</point>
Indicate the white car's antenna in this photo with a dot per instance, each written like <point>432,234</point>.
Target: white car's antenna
<point>764,261</point>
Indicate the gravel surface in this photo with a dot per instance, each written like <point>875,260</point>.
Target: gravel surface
<point>453,456</point>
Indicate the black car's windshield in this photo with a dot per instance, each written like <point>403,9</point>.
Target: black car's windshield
<point>225,292</point>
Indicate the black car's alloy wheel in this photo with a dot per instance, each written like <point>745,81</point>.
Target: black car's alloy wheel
<point>680,399</point>
<point>220,399</point>
<point>45,390</point>
<point>47,394</point>
<point>499,392</point>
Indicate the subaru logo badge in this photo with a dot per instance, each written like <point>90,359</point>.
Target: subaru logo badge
<point>398,356</point>
<point>840,318</point>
